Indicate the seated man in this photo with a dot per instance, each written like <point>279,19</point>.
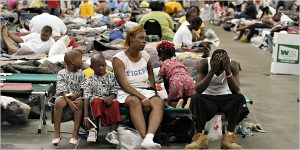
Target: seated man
<point>217,87</point>
<point>249,12</point>
<point>32,43</point>
<point>198,34</point>
<point>184,35</point>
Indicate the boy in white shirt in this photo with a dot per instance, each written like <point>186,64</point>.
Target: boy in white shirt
<point>33,42</point>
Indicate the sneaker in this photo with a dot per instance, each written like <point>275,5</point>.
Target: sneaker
<point>92,137</point>
<point>200,142</point>
<point>229,142</point>
<point>112,138</point>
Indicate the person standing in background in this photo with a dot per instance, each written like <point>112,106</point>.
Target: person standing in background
<point>86,9</point>
<point>54,6</point>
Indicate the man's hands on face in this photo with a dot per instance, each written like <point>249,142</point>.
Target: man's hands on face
<point>215,63</point>
<point>225,62</point>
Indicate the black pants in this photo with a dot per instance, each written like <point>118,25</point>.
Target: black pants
<point>204,108</point>
<point>239,8</point>
<point>253,28</point>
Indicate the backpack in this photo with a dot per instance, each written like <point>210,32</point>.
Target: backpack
<point>153,27</point>
<point>177,129</point>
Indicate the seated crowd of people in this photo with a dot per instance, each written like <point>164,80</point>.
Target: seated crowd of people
<point>256,21</point>
<point>132,84</point>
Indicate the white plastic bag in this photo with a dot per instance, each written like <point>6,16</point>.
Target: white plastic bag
<point>257,41</point>
<point>214,128</point>
<point>129,138</point>
<point>212,37</point>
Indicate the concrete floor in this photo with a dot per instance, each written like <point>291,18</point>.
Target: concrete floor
<point>275,107</point>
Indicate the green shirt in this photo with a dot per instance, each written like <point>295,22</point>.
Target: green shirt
<point>165,21</point>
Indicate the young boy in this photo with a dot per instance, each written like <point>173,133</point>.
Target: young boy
<point>68,104</point>
<point>99,92</point>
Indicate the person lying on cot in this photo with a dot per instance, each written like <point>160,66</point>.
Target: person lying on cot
<point>69,89</point>
<point>177,80</point>
<point>98,22</point>
<point>31,43</point>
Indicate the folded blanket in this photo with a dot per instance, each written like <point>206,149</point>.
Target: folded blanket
<point>33,66</point>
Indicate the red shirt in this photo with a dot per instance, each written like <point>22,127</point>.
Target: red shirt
<point>53,4</point>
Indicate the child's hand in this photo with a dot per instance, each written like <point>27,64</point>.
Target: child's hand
<point>73,96</point>
<point>108,102</point>
<point>73,106</point>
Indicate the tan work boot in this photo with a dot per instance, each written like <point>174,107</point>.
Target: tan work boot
<point>199,141</point>
<point>195,137</point>
<point>229,142</point>
<point>244,39</point>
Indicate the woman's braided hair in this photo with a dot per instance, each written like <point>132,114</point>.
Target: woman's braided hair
<point>165,48</point>
<point>132,33</point>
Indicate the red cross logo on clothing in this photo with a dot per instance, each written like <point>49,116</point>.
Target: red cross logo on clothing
<point>216,127</point>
